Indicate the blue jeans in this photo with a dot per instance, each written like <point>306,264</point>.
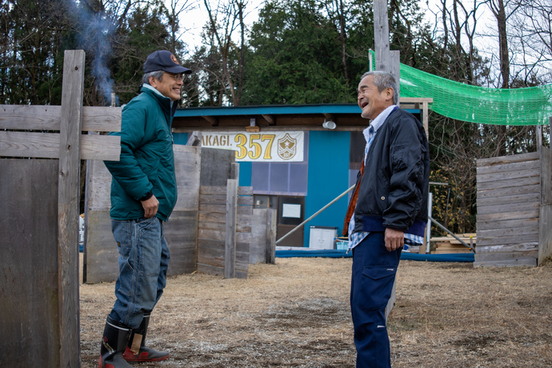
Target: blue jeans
<point>143,262</point>
<point>374,270</point>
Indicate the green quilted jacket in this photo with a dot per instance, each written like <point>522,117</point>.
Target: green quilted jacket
<point>147,159</point>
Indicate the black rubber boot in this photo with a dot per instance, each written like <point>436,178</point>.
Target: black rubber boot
<point>137,351</point>
<point>114,343</point>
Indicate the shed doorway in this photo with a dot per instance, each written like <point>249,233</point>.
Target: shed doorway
<point>291,212</point>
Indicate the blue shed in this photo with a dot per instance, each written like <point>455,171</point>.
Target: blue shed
<point>297,158</point>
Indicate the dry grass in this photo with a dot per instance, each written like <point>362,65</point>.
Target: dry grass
<point>296,314</point>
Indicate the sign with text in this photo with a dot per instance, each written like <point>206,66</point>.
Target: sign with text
<point>258,146</point>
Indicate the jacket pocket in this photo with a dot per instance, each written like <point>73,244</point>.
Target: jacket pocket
<point>377,285</point>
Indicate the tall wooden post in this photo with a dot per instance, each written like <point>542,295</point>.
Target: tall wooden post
<point>68,207</point>
<point>381,35</point>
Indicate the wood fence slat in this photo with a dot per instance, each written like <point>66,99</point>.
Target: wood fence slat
<point>504,192</point>
<point>35,117</point>
<point>511,183</point>
<point>508,216</point>
<point>212,199</point>
<point>507,224</point>
<point>507,159</point>
<point>515,166</point>
<point>509,175</point>
<point>212,190</point>
<point>245,200</point>
<point>514,199</point>
<point>511,239</point>
<point>508,232</point>
<point>68,206</point>
<point>47,145</point>
<point>502,208</point>
<point>231,238</point>
<point>245,191</point>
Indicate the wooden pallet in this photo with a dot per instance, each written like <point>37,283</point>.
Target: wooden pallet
<point>449,244</point>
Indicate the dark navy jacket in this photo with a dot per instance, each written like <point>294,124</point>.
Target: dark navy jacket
<point>394,188</point>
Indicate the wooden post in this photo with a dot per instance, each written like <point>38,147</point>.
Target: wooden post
<point>231,218</point>
<point>271,218</point>
<point>381,35</point>
<point>68,206</point>
<point>538,134</point>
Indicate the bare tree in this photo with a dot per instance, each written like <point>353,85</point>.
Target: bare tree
<point>531,32</point>
<point>221,31</point>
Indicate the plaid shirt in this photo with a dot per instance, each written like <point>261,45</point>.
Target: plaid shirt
<point>369,134</point>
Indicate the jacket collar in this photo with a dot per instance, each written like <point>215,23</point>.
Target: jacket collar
<point>379,120</point>
<point>166,103</point>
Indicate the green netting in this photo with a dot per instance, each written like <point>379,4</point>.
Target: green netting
<point>520,106</point>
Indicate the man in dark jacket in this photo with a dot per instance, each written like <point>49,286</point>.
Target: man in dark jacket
<point>143,195</point>
<point>388,209</point>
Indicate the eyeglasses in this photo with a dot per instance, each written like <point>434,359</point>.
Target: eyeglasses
<point>176,77</point>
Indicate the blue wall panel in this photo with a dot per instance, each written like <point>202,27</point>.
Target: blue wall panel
<point>328,178</point>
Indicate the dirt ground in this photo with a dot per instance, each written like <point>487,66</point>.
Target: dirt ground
<point>296,314</point>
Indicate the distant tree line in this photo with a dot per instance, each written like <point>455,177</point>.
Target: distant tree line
<point>297,52</point>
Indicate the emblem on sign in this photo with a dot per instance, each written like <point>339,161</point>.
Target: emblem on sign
<point>287,147</point>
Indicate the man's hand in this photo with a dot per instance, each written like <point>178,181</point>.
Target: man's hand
<point>394,239</point>
<point>150,207</point>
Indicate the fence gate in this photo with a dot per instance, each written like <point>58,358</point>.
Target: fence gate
<point>39,192</point>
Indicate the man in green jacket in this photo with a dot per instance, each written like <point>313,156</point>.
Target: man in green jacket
<point>143,195</point>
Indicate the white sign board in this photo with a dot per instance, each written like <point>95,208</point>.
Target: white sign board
<point>259,147</point>
<point>291,210</point>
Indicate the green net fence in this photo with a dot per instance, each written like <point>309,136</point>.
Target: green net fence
<point>520,106</point>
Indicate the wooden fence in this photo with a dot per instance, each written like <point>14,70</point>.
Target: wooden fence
<point>100,252</point>
<point>224,236</point>
<point>514,209</point>
<point>39,294</point>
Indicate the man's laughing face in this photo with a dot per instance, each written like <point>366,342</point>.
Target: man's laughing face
<point>370,100</point>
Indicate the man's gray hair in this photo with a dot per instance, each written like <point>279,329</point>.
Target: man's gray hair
<point>383,80</point>
<point>157,75</point>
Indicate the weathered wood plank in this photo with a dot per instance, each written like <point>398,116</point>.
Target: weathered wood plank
<point>68,206</point>
<point>47,145</point>
<point>507,224</point>
<point>212,199</point>
<point>33,117</point>
<point>209,270</point>
<point>513,199</point>
<point>213,190</point>
<point>508,232</point>
<point>243,210</point>
<point>514,166</point>
<point>511,183</point>
<point>271,227</point>
<point>221,226</point>
<point>221,218</point>
<point>230,236</point>
<point>516,262</point>
<point>245,200</point>
<point>545,232</point>
<point>503,208</point>
<point>508,248</point>
<point>29,262</point>
<point>181,237</point>
<point>507,159</point>
<point>546,175</point>
<point>511,239</point>
<point>497,193</point>
<point>507,216</point>
<point>245,191</point>
<point>187,161</point>
<point>509,175</point>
